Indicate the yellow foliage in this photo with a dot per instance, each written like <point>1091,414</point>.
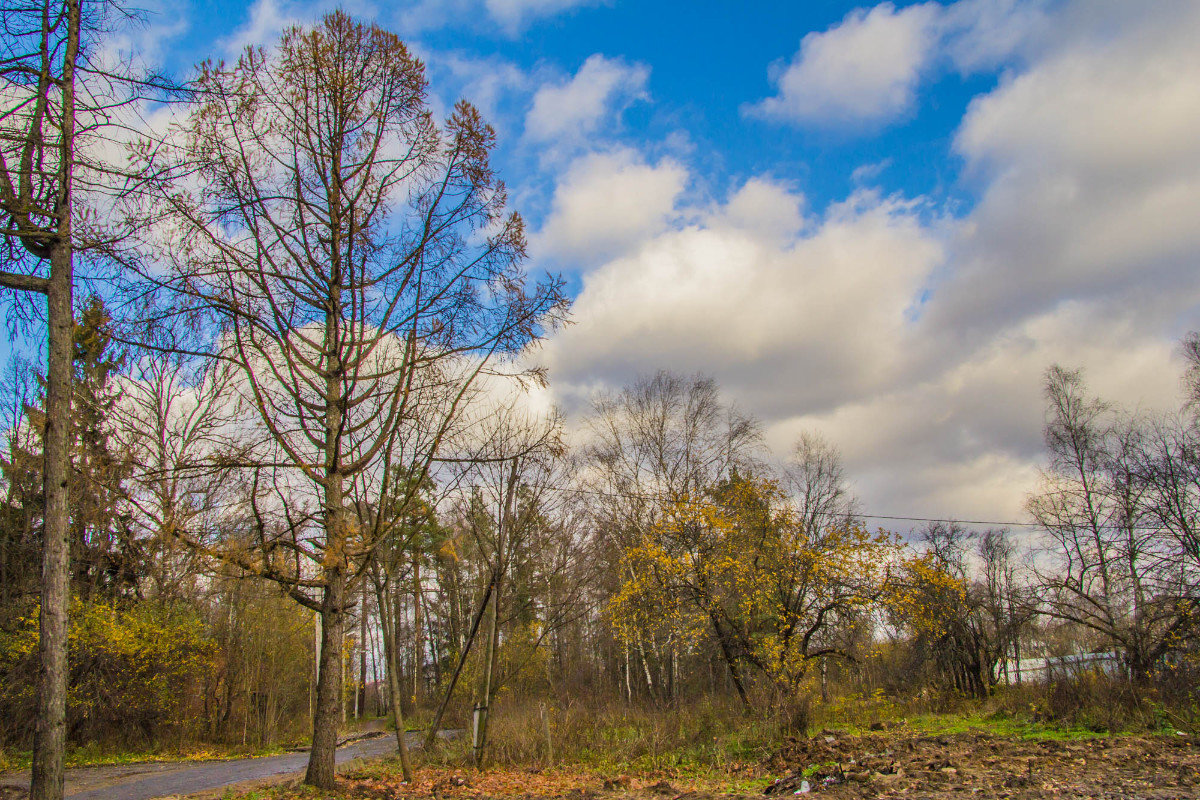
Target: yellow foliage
<point>741,555</point>
<point>129,667</point>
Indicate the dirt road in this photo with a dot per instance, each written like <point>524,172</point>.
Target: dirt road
<point>145,781</point>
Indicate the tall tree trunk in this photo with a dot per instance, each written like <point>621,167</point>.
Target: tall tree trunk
<point>50,734</point>
<point>730,661</point>
<point>342,670</point>
<point>50,737</point>
<point>502,533</point>
<point>641,648</point>
<point>321,761</point>
<point>360,696</point>
<point>462,660</point>
<point>387,611</point>
<point>322,771</point>
<point>485,701</point>
<point>628,676</point>
<point>418,681</point>
<point>399,611</point>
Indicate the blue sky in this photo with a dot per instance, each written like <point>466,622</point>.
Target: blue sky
<point>705,63</point>
<point>877,222</point>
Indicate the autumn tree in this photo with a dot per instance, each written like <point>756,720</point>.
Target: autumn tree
<point>355,264</point>
<point>660,442</point>
<point>509,482</point>
<point>961,601</point>
<point>775,593</point>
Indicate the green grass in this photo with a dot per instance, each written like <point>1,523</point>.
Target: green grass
<point>94,755</point>
<point>997,724</point>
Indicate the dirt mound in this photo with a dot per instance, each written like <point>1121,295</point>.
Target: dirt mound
<point>895,764</point>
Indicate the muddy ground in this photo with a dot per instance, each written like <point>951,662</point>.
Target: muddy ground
<point>978,765</point>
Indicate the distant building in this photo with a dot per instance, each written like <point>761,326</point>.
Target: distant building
<point>1049,668</point>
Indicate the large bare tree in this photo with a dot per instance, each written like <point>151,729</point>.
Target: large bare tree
<point>355,263</point>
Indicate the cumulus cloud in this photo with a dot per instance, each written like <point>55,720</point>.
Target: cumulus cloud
<point>983,34</point>
<point>1090,169</point>
<point>864,71</point>
<point>790,319</point>
<point>267,19</point>
<point>917,341</point>
<point>965,439</point>
<point>573,109</point>
<point>605,203</point>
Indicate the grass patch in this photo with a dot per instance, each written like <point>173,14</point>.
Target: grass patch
<point>997,724</point>
<point>93,754</point>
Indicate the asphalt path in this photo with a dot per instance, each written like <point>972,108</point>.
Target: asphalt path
<point>145,781</point>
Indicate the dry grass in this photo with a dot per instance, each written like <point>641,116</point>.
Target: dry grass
<point>708,734</point>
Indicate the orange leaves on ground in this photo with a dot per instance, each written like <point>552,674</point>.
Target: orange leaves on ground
<point>459,784</point>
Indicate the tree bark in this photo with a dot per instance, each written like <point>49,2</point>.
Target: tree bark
<point>418,678</point>
<point>502,533</point>
<point>392,656</point>
<point>489,669</point>
<point>360,696</point>
<point>462,660</point>
<point>50,736</point>
<point>321,767</point>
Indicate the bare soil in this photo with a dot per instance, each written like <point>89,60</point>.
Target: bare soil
<point>967,765</point>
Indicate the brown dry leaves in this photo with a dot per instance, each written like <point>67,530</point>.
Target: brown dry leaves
<point>971,765</point>
<point>528,784</point>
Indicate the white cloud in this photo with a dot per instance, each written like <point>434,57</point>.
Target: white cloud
<point>494,85</point>
<point>864,71</point>
<point>787,321</point>
<point>573,109</point>
<point>984,34</point>
<point>768,208</point>
<point>965,439</point>
<point>133,44</point>
<point>515,14</point>
<point>269,18</point>
<point>509,16</point>
<point>1091,171</point>
<point>605,203</point>
<point>918,343</point>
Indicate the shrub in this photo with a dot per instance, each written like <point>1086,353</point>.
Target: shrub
<point>130,671</point>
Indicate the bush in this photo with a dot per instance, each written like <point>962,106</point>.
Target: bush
<point>130,671</point>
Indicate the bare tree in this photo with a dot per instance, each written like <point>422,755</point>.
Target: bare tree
<point>1169,467</point>
<point>359,272</point>
<point>509,492</point>
<point>1109,572</point>
<point>815,477</point>
<point>174,425</point>
<point>973,606</point>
